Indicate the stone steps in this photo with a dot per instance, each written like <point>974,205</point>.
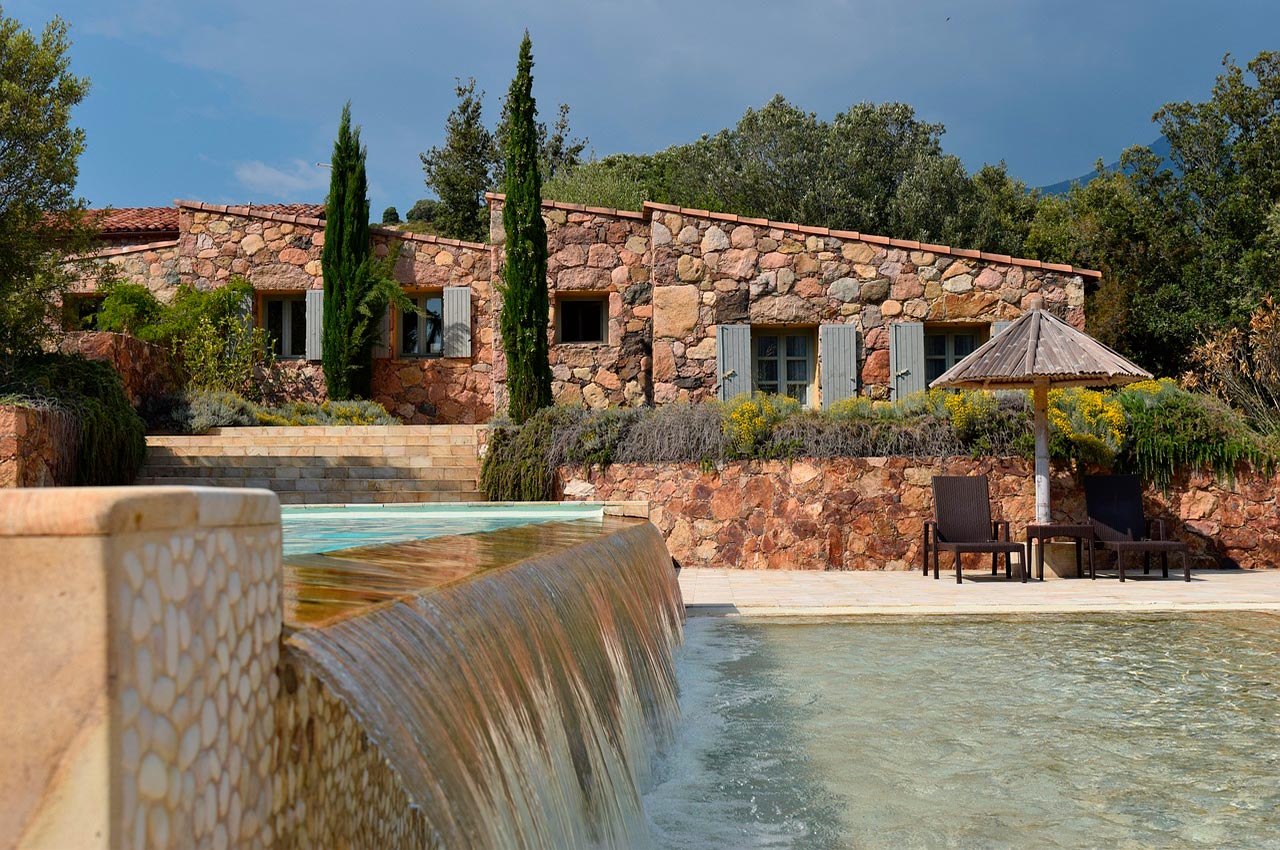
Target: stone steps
<point>317,465</point>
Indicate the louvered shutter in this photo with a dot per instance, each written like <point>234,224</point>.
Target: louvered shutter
<point>382,347</point>
<point>906,358</point>
<point>315,323</point>
<point>838,356</point>
<point>997,327</point>
<point>733,360</point>
<point>457,321</point>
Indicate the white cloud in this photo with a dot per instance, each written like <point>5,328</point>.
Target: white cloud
<point>289,183</point>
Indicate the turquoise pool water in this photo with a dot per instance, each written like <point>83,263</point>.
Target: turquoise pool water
<point>1116,732</point>
<point>310,530</point>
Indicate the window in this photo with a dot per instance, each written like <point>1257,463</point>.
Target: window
<point>287,326</point>
<point>784,364</point>
<point>583,320</point>
<point>422,332</point>
<point>944,350</point>
<point>80,312</point>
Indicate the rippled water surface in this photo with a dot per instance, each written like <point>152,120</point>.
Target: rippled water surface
<point>1072,732</point>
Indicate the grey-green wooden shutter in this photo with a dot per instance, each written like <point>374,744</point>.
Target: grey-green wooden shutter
<point>997,327</point>
<point>382,347</point>
<point>315,322</point>
<point>838,356</point>
<point>457,321</point>
<point>733,360</point>
<point>906,358</point>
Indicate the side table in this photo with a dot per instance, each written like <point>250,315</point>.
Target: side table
<point>1046,531</point>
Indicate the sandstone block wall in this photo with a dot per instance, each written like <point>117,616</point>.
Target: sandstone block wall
<point>142,646</point>
<point>867,513</point>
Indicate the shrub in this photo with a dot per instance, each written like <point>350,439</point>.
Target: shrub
<point>749,421</point>
<point>1086,426</point>
<point>1242,367</point>
<point>1172,430</point>
<point>676,433</point>
<point>108,435</point>
<point>197,412</point>
<point>128,308</point>
<point>390,216</point>
<point>969,412</point>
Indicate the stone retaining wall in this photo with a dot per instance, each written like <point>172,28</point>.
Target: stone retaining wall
<point>147,370</point>
<point>867,513</point>
<point>34,448</point>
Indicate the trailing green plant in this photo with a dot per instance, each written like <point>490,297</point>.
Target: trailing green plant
<point>197,412</point>
<point>1171,430</point>
<point>109,437</point>
<point>525,305</point>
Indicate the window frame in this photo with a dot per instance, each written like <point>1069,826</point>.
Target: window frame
<point>420,299</point>
<point>289,301</point>
<point>781,358</point>
<point>949,358</point>
<point>565,298</point>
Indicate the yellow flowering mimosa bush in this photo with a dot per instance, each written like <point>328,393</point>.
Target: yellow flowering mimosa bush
<point>750,419</point>
<point>1086,425</point>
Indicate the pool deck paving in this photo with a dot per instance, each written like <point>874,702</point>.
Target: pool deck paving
<point>779,593</point>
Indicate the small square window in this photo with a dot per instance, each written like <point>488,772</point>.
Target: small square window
<point>286,321</point>
<point>582,320</point>
<point>422,330</point>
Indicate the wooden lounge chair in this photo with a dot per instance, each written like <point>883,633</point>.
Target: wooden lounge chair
<point>1114,506</point>
<point>962,523</point>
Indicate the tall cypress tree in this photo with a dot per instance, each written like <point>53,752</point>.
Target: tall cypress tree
<point>525,304</point>
<point>353,298</point>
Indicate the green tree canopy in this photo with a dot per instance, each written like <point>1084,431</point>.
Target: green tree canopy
<point>875,168</point>
<point>459,171</point>
<point>525,305</point>
<point>1187,245</point>
<point>356,286</point>
<point>41,219</point>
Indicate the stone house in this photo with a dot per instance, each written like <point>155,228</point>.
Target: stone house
<point>660,305</point>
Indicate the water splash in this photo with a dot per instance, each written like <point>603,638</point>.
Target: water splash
<point>521,706</point>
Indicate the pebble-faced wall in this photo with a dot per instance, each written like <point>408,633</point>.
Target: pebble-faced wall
<point>140,690</point>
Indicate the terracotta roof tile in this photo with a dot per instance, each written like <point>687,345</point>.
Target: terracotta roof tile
<point>135,220</point>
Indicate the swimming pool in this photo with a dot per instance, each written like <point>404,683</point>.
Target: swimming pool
<point>1053,731</point>
<point>326,529</point>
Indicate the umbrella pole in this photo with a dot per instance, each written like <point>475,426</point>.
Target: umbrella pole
<point>1040,394</point>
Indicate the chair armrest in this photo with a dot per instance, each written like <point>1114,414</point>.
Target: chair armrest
<point>1155,529</point>
<point>996,525</point>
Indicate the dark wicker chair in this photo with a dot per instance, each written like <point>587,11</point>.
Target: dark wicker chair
<point>1114,506</point>
<point>962,523</point>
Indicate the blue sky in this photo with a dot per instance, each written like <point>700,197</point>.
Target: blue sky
<point>236,101</point>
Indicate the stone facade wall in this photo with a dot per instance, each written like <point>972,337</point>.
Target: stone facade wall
<point>598,251</point>
<point>153,264</point>
<point>281,253</point>
<point>141,678</point>
<point>147,370</point>
<point>34,450</point>
<point>711,269</point>
<point>868,513</point>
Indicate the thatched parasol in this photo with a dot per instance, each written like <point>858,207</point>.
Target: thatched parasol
<point>1037,352</point>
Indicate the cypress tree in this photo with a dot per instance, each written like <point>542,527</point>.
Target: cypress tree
<point>525,305</point>
<point>353,297</point>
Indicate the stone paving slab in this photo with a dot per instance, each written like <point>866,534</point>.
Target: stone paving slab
<point>710,592</point>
